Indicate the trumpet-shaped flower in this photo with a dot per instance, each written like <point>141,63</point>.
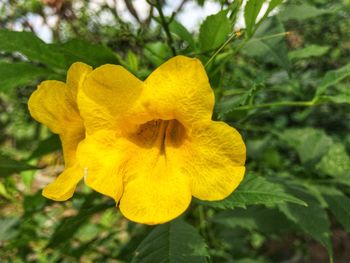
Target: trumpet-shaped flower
<point>54,105</point>
<point>151,145</point>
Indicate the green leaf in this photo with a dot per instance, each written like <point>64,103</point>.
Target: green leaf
<point>9,166</point>
<point>302,12</point>
<point>182,32</point>
<point>174,242</point>
<point>133,61</point>
<point>80,50</point>
<point>336,162</point>
<point>272,5</point>
<point>254,218</point>
<point>268,43</point>
<point>254,190</point>
<point>310,144</point>
<point>157,53</point>
<point>21,73</point>
<point>9,228</point>
<point>251,12</point>
<point>32,47</point>
<point>339,205</point>
<point>70,225</point>
<point>312,220</point>
<point>46,146</point>
<point>214,31</point>
<point>337,99</point>
<point>309,51</point>
<point>333,77</point>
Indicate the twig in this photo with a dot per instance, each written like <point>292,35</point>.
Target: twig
<point>165,25</point>
<point>234,34</point>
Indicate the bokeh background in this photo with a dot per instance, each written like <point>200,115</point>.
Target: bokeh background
<point>283,84</point>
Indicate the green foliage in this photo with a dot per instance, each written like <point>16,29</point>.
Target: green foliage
<point>21,73</point>
<point>176,241</point>
<point>9,166</point>
<point>309,51</point>
<point>312,220</point>
<point>268,43</point>
<point>304,11</point>
<point>251,12</point>
<point>282,81</point>
<point>255,190</point>
<point>214,31</point>
<point>333,77</point>
<point>309,143</point>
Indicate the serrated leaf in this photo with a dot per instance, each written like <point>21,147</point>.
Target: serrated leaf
<point>265,220</point>
<point>251,12</point>
<point>9,166</point>
<point>268,43</point>
<point>310,144</point>
<point>46,146</point>
<point>337,99</point>
<point>174,242</point>
<point>70,225</point>
<point>181,31</point>
<point>336,162</point>
<point>254,190</point>
<point>312,220</point>
<point>333,77</point>
<point>58,55</point>
<point>32,47</point>
<point>339,205</point>
<point>80,50</point>
<point>214,31</point>
<point>272,5</point>
<point>302,12</point>
<point>21,73</point>
<point>9,227</point>
<point>157,52</point>
<point>309,51</point>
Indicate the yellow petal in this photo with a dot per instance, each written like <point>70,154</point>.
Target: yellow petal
<point>154,192</point>
<point>106,97</point>
<point>213,157</point>
<point>101,157</point>
<point>179,89</point>
<point>70,139</point>
<point>53,105</point>
<point>75,77</point>
<point>64,186</point>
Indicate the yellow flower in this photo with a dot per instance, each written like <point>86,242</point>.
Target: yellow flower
<point>54,105</point>
<point>151,145</point>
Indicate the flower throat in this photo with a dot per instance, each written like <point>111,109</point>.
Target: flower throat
<point>159,134</point>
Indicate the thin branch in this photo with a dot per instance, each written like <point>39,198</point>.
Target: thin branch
<point>234,34</point>
<point>277,104</point>
<point>132,10</point>
<point>165,25</point>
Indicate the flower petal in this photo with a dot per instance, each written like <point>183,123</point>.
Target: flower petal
<point>213,157</point>
<point>179,89</point>
<point>75,77</point>
<point>53,105</point>
<point>106,97</point>
<point>101,157</point>
<point>154,192</point>
<point>64,186</point>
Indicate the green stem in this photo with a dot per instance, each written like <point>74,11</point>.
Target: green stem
<point>277,104</point>
<point>165,26</point>
<point>220,48</point>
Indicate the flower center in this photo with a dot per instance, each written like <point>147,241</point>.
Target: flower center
<point>159,134</point>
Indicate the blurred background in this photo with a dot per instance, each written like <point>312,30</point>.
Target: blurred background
<point>280,80</point>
